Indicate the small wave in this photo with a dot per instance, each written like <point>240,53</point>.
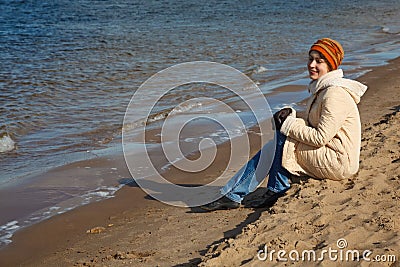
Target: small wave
<point>6,232</point>
<point>186,107</point>
<point>256,69</point>
<point>159,116</point>
<point>391,29</point>
<point>6,144</point>
<point>103,192</point>
<point>133,125</point>
<point>100,193</point>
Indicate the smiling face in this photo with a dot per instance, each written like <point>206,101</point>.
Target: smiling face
<point>317,66</point>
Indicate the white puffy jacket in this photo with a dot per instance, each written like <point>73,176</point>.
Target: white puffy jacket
<point>326,144</point>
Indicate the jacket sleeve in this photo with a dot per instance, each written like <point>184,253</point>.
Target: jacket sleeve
<point>334,110</point>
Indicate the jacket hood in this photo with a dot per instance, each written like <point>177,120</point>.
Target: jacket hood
<point>335,78</point>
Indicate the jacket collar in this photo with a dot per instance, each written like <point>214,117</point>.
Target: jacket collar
<point>324,81</point>
<point>335,78</point>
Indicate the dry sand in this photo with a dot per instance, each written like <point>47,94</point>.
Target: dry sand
<point>134,230</point>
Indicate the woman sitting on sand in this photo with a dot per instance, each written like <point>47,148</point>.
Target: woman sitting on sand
<point>324,145</point>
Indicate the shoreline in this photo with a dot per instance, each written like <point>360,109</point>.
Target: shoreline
<point>66,239</point>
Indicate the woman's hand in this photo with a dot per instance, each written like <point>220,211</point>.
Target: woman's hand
<point>280,117</point>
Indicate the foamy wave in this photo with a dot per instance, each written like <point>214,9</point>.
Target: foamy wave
<point>162,115</point>
<point>6,232</point>
<point>6,144</point>
<point>256,69</point>
<point>103,192</point>
<point>391,29</point>
<point>186,107</point>
<point>100,193</point>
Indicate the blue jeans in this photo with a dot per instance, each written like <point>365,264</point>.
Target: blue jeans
<point>249,177</point>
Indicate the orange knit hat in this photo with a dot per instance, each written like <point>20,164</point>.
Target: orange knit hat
<point>331,50</point>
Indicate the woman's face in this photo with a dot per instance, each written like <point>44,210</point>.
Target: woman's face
<point>317,66</point>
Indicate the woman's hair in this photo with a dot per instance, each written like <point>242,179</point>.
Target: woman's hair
<point>322,57</point>
<point>330,50</point>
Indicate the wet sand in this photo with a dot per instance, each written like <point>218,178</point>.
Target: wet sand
<point>135,230</point>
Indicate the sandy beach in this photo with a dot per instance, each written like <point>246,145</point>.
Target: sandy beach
<point>133,229</point>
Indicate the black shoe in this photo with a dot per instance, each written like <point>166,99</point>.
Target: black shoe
<point>267,200</point>
<point>223,203</point>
